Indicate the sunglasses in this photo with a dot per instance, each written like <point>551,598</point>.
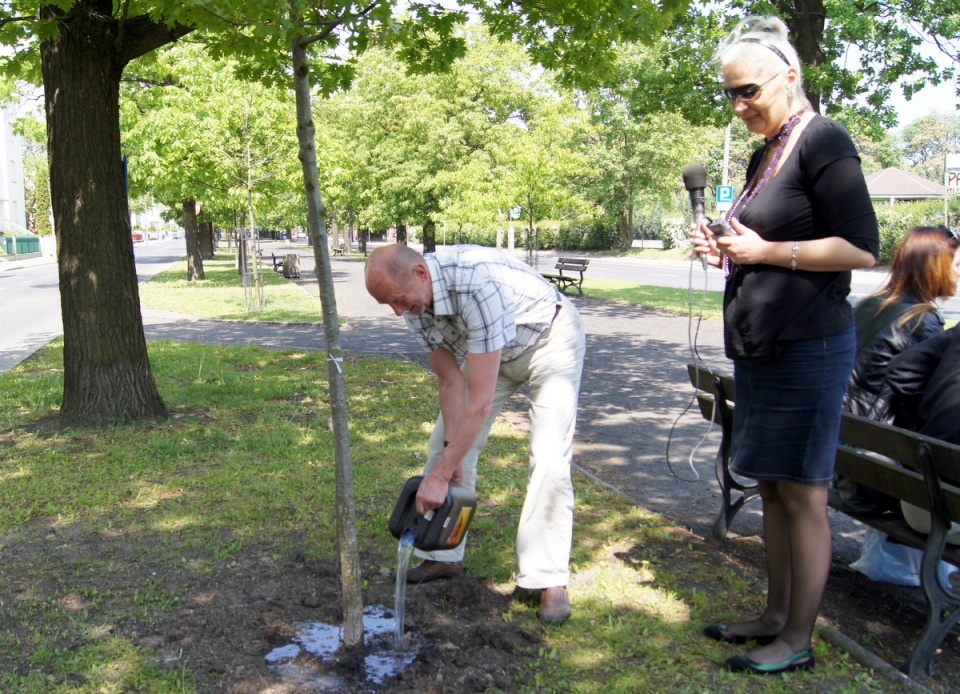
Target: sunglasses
<point>747,92</point>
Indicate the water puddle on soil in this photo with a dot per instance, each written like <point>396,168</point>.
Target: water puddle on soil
<point>388,649</point>
<point>382,658</point>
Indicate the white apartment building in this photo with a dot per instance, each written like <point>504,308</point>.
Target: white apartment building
<point>13,215</point>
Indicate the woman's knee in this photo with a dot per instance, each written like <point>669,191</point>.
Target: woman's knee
<point>803,499</point>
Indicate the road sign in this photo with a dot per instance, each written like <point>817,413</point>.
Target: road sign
<point>724,197</point>
<point>515,213</point>
<point>952,174</point>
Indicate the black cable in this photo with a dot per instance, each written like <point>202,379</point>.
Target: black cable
<point>692,335</point>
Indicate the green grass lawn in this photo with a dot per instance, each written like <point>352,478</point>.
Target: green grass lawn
<point>221,294</point>
<point>692,302</point>
<point>246,460</point>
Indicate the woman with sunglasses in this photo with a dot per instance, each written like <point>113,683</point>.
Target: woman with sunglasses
<point>803,221</point>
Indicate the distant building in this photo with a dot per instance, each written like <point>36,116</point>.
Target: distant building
<point>149,224</point>
<point>150,218</point>
<point>895,184</point>
<point>13,216</point>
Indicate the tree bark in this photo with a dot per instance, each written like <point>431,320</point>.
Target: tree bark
<point>207,245</point>
<point>107,374</point>
<point>192,233</point>
<point>402,234</point>
<point>350,576</point>
<point>805,20</point>
<point>362,238</point>
<point>626,228</point>
<point>429,236</point>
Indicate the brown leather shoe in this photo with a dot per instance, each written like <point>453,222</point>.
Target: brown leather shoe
<point>430,570</point>
<point>554,605</point>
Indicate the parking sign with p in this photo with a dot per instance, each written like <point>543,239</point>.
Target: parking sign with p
<point>724,198</point>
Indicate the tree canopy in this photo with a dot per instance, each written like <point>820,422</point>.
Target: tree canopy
<point>855,54</point>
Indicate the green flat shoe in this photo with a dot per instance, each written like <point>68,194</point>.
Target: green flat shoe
<point>804,660</point>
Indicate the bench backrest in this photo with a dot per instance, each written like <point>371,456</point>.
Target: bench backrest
<point>702,379</point>
<point>875,454</point>
<point>864,444</point>
<point>572,264</point>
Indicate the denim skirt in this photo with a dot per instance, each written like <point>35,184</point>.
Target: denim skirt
<point>786,421</point>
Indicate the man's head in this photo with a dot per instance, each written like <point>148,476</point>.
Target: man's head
<point>398,276</point>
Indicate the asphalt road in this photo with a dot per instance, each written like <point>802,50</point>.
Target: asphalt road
<point>30,298</point>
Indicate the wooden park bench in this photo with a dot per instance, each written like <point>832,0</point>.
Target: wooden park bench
<point>927,476</point>
<point>275,262</point>
<point>570,266</point>
<point>339,250</point>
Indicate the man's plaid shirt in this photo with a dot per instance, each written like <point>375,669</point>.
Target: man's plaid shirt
<point>483,300</point>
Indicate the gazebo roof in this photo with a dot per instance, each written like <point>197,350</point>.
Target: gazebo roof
<point>902,185</point>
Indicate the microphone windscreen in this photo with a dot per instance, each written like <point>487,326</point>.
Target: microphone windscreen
<point>694,176</point>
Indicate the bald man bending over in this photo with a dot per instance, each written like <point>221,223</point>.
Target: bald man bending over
<point>509,326</point>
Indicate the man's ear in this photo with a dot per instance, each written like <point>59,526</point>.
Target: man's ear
<point>420,272</point>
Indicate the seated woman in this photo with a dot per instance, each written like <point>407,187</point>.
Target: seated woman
<point>925,380</point>
<point>896,317</point>
<point>900,315</point>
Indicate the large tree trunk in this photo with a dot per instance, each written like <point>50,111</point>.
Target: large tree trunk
<point>107,375</point>
<point>207,241</point>
<point>402,234</point>
<point>429,236</point>
<point>362,239</point>
<point>626,228</point>
<point>350,575</point>
<point>806,22</point>
<point>192,233</point>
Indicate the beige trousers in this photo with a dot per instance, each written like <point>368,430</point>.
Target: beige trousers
<point>552,368</point>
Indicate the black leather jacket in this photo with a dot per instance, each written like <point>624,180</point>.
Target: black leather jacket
<point>880,337</point>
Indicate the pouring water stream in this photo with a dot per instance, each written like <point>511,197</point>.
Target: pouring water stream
<point>404,551</point>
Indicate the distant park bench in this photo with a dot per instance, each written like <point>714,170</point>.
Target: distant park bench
<point>570,266</point>
<point>339,250</point>
<point>926,473</point>
<point>275,262</point>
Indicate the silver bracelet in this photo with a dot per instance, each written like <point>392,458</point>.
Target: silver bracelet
<point>793,255</point>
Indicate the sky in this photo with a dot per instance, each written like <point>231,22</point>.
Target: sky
<point>941,98</point>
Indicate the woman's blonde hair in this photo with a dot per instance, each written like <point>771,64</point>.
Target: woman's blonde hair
<point>764,41</point>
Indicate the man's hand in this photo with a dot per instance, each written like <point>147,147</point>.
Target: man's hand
<point>432,492</point>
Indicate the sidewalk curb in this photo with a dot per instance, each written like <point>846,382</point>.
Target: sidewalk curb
<point>869,659</point>
<point>28,262</point>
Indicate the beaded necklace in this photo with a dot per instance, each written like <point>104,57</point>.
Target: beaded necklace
<point>760,179</point>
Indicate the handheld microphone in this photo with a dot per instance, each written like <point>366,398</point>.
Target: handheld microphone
<point>695,180</point>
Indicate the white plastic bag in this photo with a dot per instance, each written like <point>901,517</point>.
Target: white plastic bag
<point>882,560</point>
